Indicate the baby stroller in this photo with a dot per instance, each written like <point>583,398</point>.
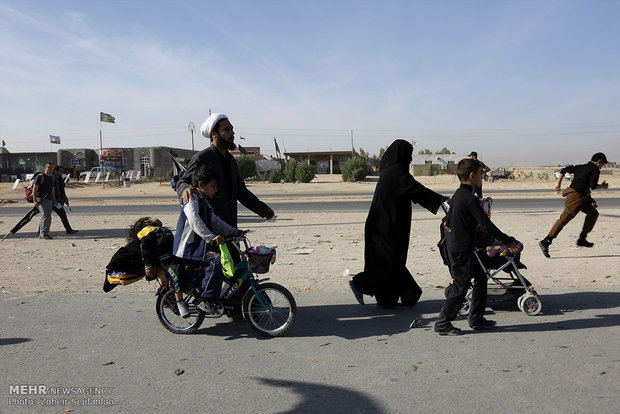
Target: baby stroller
<point>506,283</point>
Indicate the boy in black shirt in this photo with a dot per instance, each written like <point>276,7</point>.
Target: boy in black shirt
<point>465,218</point>
<point>578,199</point>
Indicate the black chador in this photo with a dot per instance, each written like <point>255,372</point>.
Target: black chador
<point>388,227</point>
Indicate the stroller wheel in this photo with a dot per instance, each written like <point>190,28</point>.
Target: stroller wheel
<point>530,304</point>
<point>465,308</point>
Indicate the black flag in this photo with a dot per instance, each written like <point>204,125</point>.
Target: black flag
<point>276,142</point>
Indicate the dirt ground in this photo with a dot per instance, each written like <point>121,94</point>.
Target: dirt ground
<point>314,248</point>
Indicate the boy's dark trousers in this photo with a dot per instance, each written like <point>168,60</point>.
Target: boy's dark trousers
<point>464,266</point>
<point>213,278</point>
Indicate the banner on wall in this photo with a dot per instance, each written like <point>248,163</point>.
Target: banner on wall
<point>112,156</point>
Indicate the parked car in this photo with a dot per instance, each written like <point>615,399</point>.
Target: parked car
<point>498,173</point>
<point>95,170</point>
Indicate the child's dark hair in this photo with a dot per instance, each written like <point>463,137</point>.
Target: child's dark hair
<point>134,229</point>
<point>205,174</point>
<point>467,166</point>
<point>599,156</point>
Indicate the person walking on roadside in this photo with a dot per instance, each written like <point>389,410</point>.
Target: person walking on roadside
<point>387,231</point>
<point>61,198</point>
<point>465,218</point>
<point>578,198</point>
<point>44,197</point>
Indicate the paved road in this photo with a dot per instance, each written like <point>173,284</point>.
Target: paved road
<point>499,204</point>
<point>507,192</point>
<point>339,357</point>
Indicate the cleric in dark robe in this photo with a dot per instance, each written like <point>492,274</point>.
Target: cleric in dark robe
<point>387,230</point>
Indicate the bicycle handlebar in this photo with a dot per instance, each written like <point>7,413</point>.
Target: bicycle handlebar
<point>240,235</point>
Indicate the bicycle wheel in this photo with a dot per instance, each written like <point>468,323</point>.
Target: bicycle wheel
<point>271,311</point>
<point>169,316</point>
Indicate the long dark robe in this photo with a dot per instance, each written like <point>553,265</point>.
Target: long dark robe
<point>388,228</point>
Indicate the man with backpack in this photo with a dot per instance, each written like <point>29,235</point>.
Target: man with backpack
<point>44,198</point>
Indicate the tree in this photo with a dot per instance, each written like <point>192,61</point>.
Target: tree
<point>304,172</point>
<point>275,175</point>
<point>289,171</point>
<point>444,150</point>
<point>381,152</point>
<point>355,169</point>
<point>247,166</point>
<point>425,151</point>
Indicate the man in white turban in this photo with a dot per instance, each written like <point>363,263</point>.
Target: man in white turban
<point>231,187</point>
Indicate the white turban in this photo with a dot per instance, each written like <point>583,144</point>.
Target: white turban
<point>209,123</point>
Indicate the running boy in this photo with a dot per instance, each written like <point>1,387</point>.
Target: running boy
<point>465,218</point>
<point>200,232</point>
<point>578,198</point>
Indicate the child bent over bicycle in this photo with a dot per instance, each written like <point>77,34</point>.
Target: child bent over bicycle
<point>199,233</point>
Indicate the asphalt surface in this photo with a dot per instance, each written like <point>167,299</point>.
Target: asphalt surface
<point>172,197</point>
<point>339,357</point>
<point>499,204</point>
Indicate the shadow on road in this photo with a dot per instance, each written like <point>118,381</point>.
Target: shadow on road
<point>572,324</point>
<point>13,341</point>
<point>82,235</point>
<point>325,399</point>
<point>562,304</point>
<point>352,321</point>
<point>348,321</point>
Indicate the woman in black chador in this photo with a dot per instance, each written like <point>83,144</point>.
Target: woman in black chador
<point>387,229</point>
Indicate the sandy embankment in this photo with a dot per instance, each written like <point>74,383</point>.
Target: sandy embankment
<point>314,248</point>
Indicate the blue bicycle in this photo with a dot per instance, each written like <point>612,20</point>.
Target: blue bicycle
<point>269,308</point>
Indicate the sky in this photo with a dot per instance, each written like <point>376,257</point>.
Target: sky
<point>520,82</point>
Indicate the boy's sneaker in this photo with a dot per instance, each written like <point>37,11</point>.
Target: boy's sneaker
<point>72,231</point>
<point>183,310</point>
<point>46,236</point>
<point>358,295</point>
<point>544,246</point>
<point>209,308</point>
<point>584,243</point>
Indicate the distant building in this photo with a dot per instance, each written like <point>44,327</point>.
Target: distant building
<point>324,162</point>
<point>435,164</point>
<point>252,152</point>
<point>150,161</point>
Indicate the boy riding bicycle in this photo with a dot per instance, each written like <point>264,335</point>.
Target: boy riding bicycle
<point>199,233</point>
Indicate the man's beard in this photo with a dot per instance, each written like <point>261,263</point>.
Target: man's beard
<point>229,145</point>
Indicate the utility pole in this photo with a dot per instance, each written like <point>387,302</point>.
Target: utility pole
<point>191,128</point>
<point>352,147</point>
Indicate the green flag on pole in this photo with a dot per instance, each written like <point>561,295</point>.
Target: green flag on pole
<point>106,117</point>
